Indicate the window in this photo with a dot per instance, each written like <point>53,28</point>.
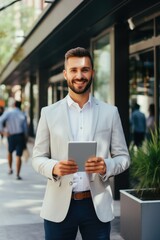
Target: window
<point>102,64</point>
<point>158,26</point>
<point>142,79</point>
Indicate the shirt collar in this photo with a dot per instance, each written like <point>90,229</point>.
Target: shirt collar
<point>70,101</point>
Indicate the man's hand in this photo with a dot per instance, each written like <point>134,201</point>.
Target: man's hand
<point>95,165</point>
<point>65,167</point>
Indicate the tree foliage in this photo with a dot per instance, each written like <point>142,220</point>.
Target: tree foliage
<point>16,17</point>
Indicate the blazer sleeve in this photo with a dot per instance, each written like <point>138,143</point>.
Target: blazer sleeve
<point>41,158</point>
<point>119,159</point>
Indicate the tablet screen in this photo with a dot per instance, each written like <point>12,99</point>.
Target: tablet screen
<point>81,151</point>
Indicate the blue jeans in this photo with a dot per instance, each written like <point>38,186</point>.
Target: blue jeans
<point>81,215</point>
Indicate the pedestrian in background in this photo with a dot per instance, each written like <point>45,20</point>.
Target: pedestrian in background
<point>76,199</point>
<point>16,127</point>
<point>150,121</point>
<point>138,125</point>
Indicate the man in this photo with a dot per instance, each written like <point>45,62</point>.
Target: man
<point>76,199</point>
<point>150,121</point>
<point>16,126</point>
<point>138,123</point>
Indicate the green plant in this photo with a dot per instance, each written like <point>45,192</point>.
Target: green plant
<point>145,165</point>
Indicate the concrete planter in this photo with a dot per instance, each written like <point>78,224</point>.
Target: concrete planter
<point>139,220</point>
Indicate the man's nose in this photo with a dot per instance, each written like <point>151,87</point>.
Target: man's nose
<point>79,74</point>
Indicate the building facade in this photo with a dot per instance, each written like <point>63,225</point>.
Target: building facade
<point>123,37</point>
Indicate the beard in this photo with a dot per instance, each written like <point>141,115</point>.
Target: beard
<point>80,90</point>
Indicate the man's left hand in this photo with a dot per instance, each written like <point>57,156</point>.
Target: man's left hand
<point>95,165</point>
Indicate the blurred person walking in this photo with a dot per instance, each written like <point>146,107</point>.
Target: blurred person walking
<point>138,124</point>
<point>76,199</point>
<point>17,131</point>
<point>150,121</point>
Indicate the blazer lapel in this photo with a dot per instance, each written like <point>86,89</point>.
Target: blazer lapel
<point>95,117</point>
<point>91,177</point>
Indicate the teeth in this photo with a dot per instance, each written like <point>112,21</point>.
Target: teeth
<point>79,82</point>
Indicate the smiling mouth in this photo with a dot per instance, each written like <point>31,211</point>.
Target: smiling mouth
<point>79,82</point>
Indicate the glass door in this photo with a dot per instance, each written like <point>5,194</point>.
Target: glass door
<point>141,83</point>
<point>103,85</point>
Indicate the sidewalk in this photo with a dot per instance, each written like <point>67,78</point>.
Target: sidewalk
<point>20,202</point>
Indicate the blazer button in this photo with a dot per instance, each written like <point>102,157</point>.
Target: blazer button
<point>70,183</point>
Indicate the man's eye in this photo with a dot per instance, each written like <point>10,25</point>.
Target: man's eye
<point>85,70</point>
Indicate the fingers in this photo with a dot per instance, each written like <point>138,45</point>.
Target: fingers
<point>92,165</point>
<point>65,167</point>
<point>95,165</point>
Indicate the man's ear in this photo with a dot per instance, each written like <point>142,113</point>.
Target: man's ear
<point>64,74</point>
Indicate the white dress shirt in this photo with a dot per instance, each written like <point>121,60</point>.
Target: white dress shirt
<point>81,122</point>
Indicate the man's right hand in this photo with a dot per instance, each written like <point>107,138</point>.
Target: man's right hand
<point>65,167</point>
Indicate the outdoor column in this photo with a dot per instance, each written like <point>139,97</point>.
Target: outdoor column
<point>31,113</point>
<point>42,80</point>
<point>121,58</point>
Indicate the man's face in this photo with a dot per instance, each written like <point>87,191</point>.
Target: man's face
<point>78,74</point>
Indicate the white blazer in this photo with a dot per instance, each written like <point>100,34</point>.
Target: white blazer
<point>51,145</point>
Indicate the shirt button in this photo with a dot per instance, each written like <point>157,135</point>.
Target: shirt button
<point>70,183</point>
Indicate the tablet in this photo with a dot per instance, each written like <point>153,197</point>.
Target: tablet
<point>81,151</point>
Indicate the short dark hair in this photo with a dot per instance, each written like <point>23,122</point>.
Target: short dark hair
<point>152,109</point>
<point>137,106</point>
<point>18,104</point>
<point>78,52</point>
